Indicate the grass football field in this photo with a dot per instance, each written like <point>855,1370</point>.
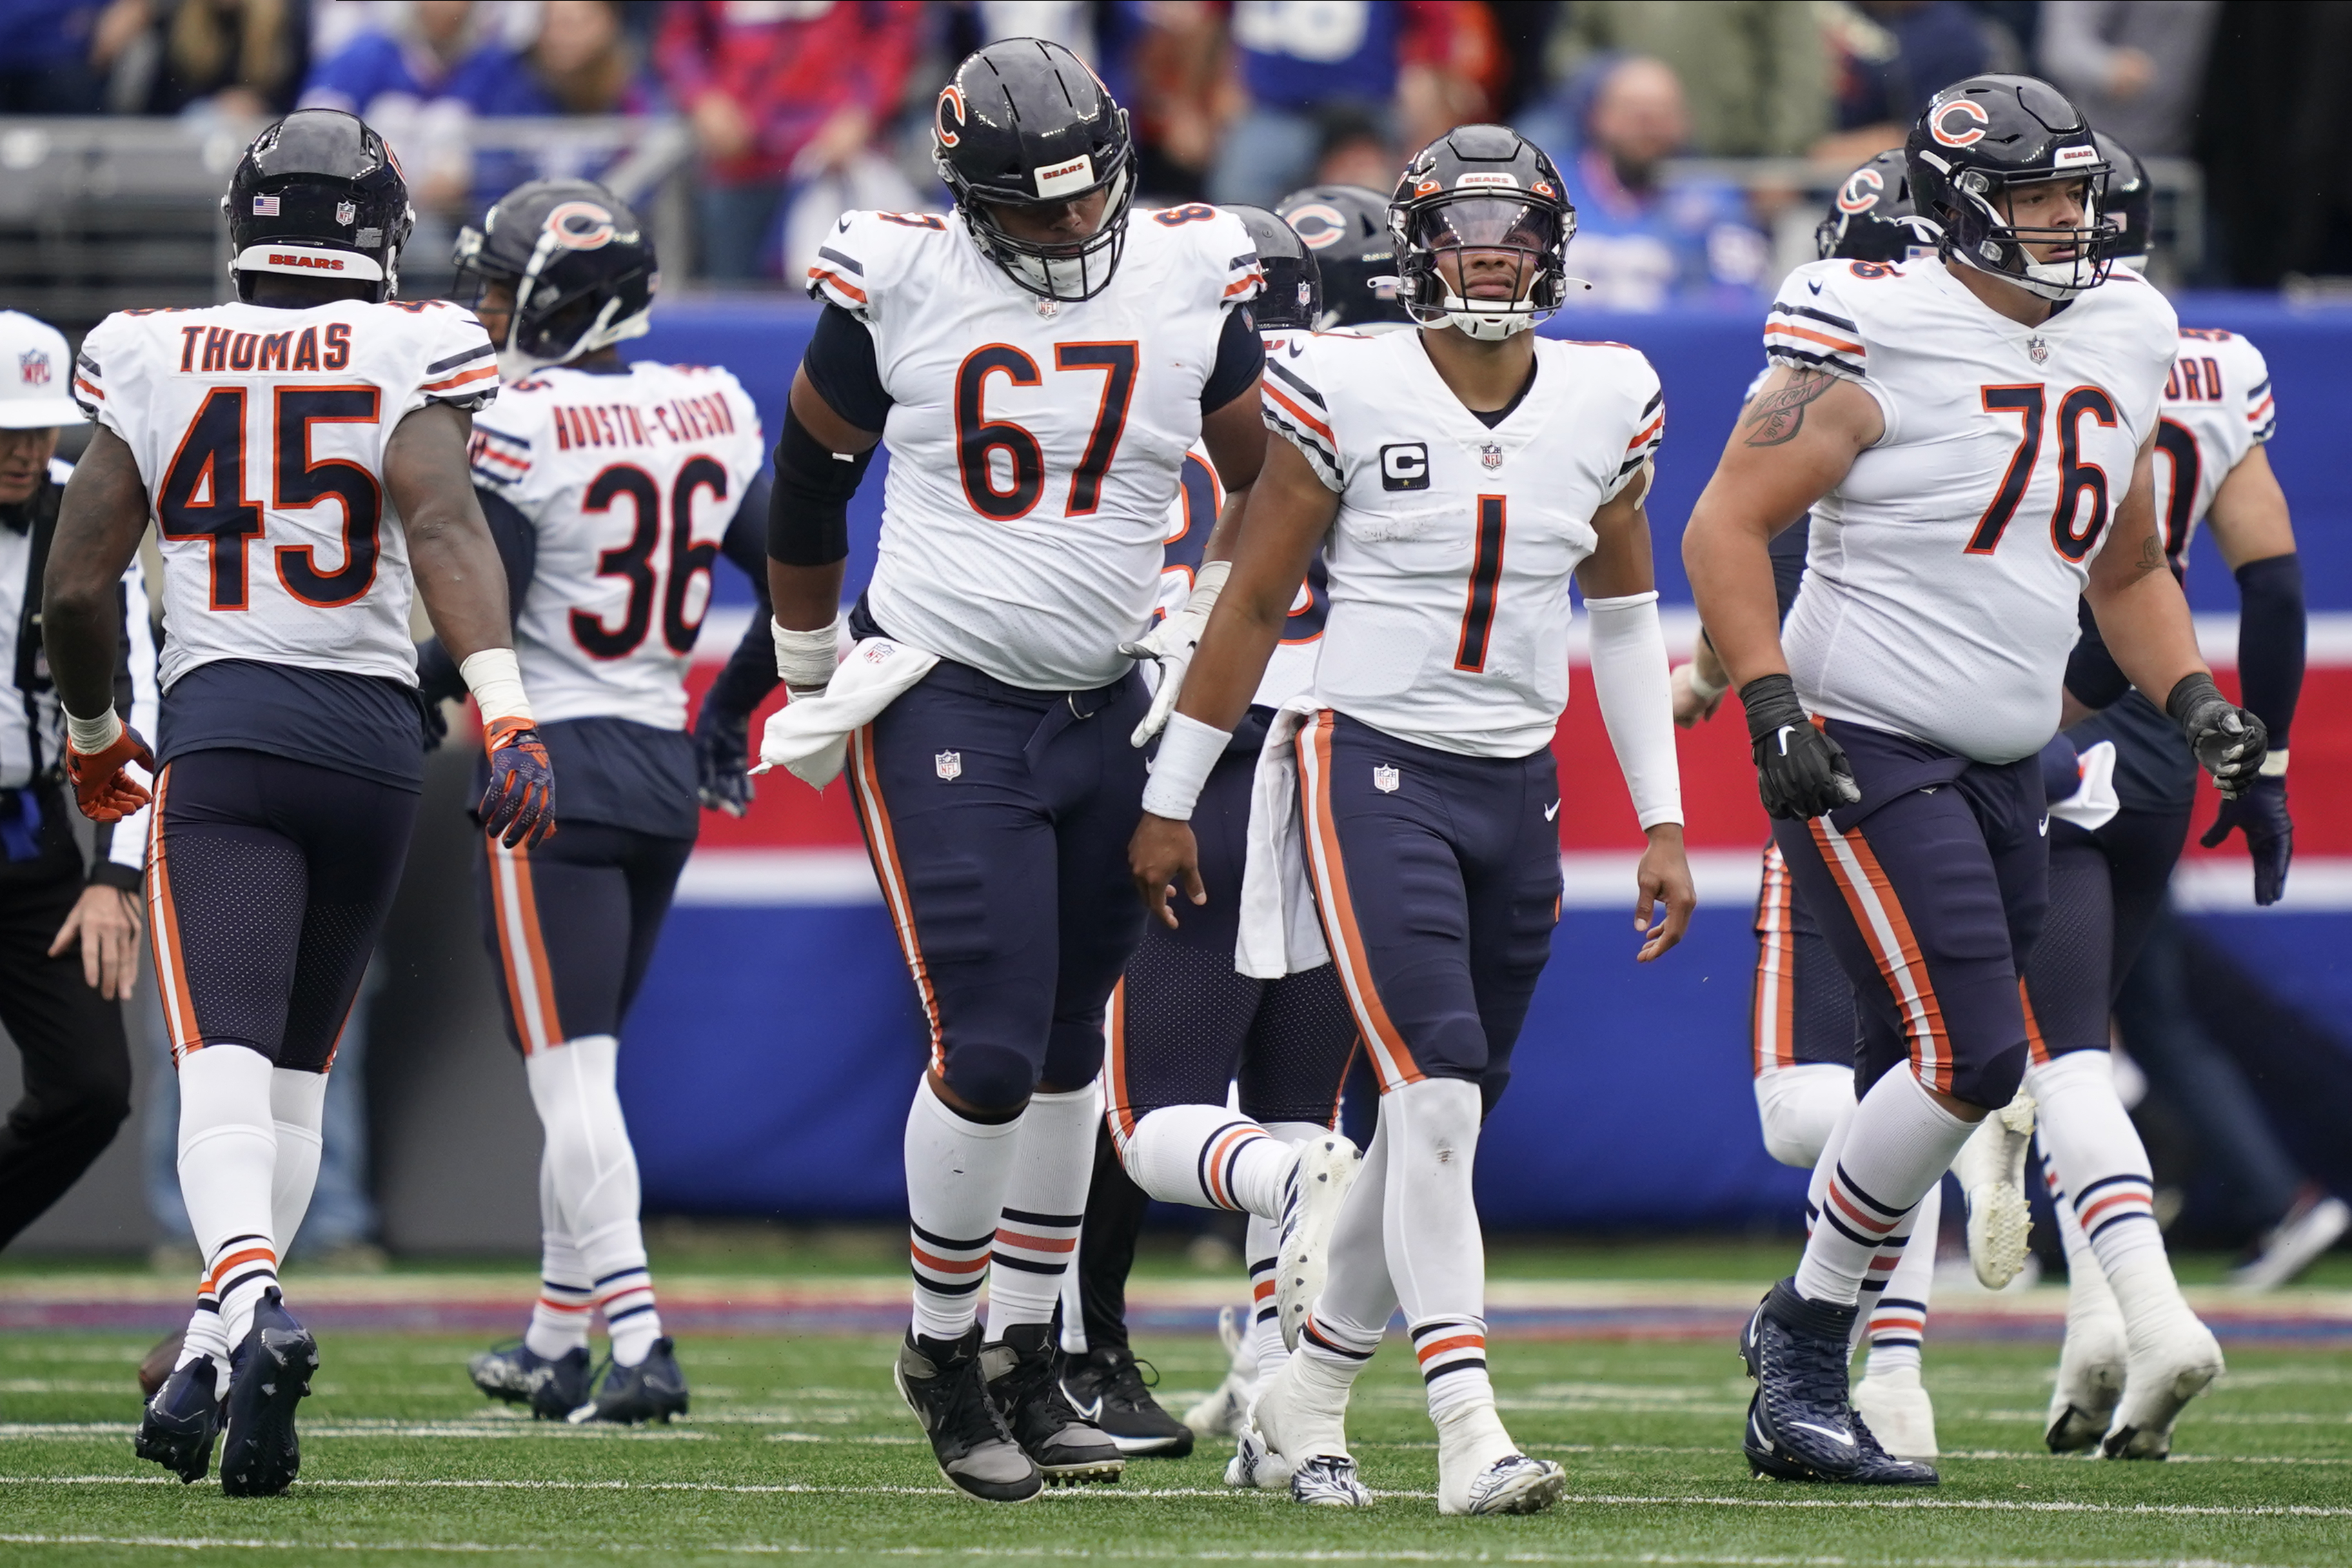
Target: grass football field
<point>798,1447</point>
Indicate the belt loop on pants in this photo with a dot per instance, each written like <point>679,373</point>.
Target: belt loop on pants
<point>1066,713</point>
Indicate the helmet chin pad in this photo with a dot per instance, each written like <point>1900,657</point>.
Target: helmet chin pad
<point>1488,321</point>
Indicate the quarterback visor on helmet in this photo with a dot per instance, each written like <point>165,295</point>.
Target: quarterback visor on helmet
<point>318,195</point>
<point>579,267</point>
<point>1041,165</point>
<point>1481,226</point>
<point>2007,166</point>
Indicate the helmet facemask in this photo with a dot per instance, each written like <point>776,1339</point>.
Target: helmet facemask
<point>1979,234</point>
<point>1483,224</point>
<point>544,328</point>
<point>1066,271</point>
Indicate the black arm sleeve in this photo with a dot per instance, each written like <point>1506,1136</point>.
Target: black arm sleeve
<point>841,365</point>
<point>1788,551</point>
<point>1241,356</point>
<point>746,544</point>
<point>2271,624</point>
<point>808,509</point>
<point>438,678</point>
<point>2092,673</point>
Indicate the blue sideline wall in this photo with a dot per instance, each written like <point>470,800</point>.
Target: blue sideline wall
<point>772,1051</point>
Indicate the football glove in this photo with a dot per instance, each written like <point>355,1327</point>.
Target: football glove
<point>2229,741</point>
<point>102,788</point>
<point>2261,813</point>
<point>721,741</point>
<point>1801,772</point>
<point>518,807</point>
<point>1171,643</point>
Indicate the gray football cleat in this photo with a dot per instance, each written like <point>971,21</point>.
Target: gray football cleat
<point>941,1382</point>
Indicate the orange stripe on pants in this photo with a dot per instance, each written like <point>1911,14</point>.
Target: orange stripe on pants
<point>882,848</point>
<point>1888,930</point>
<point>1772,1012</point>
<point>522,952</point>
<point>164,934</point>
<point>2036,1048</point>
<point>1392,1061</point>
<point>1121,1119</point>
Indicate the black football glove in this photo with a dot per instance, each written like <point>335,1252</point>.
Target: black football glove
<point>518,807</point>
<point>435,717</point>
<point>2230,742</point>
<point>721,743</point>
<point>1801,772</point>
<point>2261,813</point>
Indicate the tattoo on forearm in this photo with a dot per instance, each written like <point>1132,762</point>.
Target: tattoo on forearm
<point>1776,416</point>
<point>2151,555</point>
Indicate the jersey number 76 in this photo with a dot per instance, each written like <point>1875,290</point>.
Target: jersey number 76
<point>2071,532</point>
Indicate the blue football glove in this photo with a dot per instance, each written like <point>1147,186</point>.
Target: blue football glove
<point>721,744</point>
<point>2261,813</point>
<point>518,807</point>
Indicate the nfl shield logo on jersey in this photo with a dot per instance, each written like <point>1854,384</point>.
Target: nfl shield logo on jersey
<point>1491,454</point>
<point>1384,778</point>
<point>949,764</point>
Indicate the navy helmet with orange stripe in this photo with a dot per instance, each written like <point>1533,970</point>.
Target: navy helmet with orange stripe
<point>318,195</point>
<point>1870,218</point>
<point>1292,296</point>
<point>1981,140</point>
<point>580,265</point>
<point>1346,227</point>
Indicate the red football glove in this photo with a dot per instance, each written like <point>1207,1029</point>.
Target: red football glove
<point>519,808</point>
<point>102,788</point>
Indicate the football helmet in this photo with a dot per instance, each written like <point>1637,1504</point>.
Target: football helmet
<point>582,266</point>
<point>1985,136</point>
<point>2130,201</point>
<point>1292,300</point>
<point>1482,189</point>
<point>1024,123</point>
<point>318,194</point>
<point>1870,218</point>
<point>1347,229</point>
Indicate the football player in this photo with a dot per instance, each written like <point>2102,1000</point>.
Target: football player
<point>1463,475</point>
<point>1954,437</point>
<point>302,453</point>
<point>612,489</point>
<point>1184,1025</point>
<point>1038,362</point>
<point>1804,1025</point>
<point>2134,1354</point>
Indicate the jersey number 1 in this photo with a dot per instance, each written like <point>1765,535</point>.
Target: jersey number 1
<point>1485,584</point>
<point>203,495</point>
<point>2074,476</point>
<point>980,438</point>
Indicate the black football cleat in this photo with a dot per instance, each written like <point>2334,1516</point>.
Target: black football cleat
<point>1800,1425</point>
<point>943,1383</point>
<point>653,1390</point>
<point>553,1387</point>
<point>181,1422</point>
<point>1105,1385</point>
<point>268,1374</point>
<point>1069,1450</point>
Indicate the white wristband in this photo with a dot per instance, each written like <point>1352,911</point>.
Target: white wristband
<point>496,680</point>
<point>806,659</point>
<point>1189,749</point>
<point>2274,763</point>
<point>1707,690</point>
<point>92,735</point>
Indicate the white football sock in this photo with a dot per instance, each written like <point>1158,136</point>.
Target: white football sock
<point>956,1173</point>
<point>1898,1145</point>
<point>1210,1157</point>
<point>1045,1206</point>
<point>1799,1106</point>
<point>228,1156</point>
<point>1358,1296</point>
<point>1817,1186</point>
<point>1259,1249</point>
<point>1436,1256</point>
<point>1897,1318</point>
<point>575,1086</point>
<point>206,1336</point>
<point>567,1297</point>
<point>2087,1293</point>
<point>2104,1167</point>
<point>297,1110</point>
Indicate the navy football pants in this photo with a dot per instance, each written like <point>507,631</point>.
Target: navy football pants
<point>2107,886</point>
<point>1801,1008</point>
<point>571,924</point>
<point>998,819</point>
<point>1928,889</point>
<point>1437,877</point>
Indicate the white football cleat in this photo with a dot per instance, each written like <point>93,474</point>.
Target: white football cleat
<point>1899,1413</point>
<point>1299,1421</point>
<point>1991,1170</point>
<point>2090,1376</point>
<point>1328,1481</point>
<point>1219,1414</point>
<point>2159,1379</point>
<point>1480,1470</point>
<point>1255,1465</point>
<point>1320,1175</point>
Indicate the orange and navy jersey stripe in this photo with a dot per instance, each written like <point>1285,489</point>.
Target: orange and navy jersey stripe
<point>1392,1059</point>
<point>1807,338</point>
<point>1299,414</point>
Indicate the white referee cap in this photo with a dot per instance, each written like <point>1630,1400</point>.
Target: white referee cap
<point>36,375</point>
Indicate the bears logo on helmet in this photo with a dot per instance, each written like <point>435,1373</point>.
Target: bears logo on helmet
<point>1860,191</point>
<point>579,225</point>
<point>1939,123</point>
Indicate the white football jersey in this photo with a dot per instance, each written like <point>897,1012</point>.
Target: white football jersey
<point>2217,408</point>
<point>1452,554</point>
<point>1034,447</point>
<point>631,481</point>
<point>1943,571</point>
<point>259,435</point>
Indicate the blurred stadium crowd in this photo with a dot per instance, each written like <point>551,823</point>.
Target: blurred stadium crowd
<point>1685,126</point>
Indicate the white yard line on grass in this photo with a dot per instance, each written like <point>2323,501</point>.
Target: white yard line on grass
<point>1116,1493</point>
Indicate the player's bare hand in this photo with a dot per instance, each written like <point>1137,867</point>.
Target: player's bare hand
<point>1692,706</point>
<point>1165,858</point>
<point>105,921</point>
<point>1662,877</point>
